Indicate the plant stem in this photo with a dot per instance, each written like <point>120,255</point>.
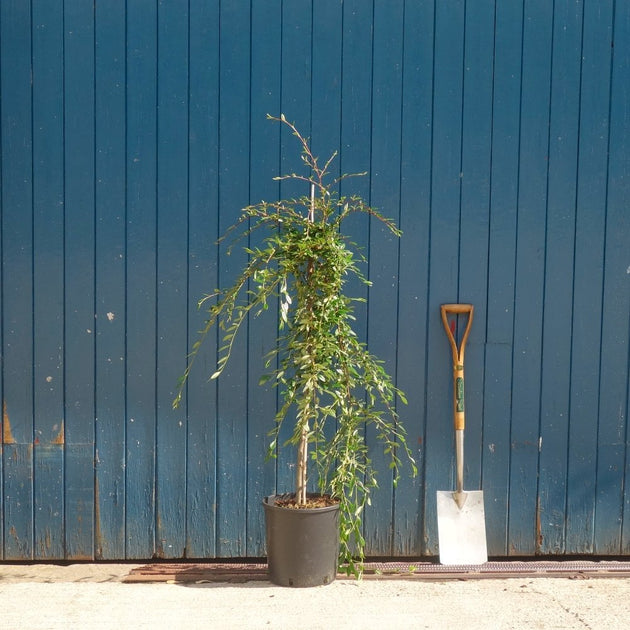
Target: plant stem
<point>302,462</point>
<point>311,213</point>
<point>302,454</point>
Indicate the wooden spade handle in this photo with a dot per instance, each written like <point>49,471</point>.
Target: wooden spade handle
<point>457,308</point>
<point>458,358</point>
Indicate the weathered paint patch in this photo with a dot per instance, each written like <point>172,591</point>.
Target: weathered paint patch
<point>60,438</point>
<point>98,534</point>
<point>539,534</point>
<point>7,436</point>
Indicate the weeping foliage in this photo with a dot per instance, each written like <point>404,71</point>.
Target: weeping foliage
<point>331,386</point>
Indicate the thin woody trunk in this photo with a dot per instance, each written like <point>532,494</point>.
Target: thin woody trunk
<point>302,454</point>
<point>302,461</point>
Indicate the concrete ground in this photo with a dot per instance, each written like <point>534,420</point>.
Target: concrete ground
<point>94,596</point>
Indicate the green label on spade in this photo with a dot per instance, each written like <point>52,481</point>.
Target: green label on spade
<point>459,393</point>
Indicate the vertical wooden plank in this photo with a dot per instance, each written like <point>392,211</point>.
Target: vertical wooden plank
<point>296,101</point>
<point>524,521</point>
<point>202,275</point>
<point>612,520</point>
<point>172,254</point>
<point>296,82</point>
<point>325,106</point>
<point>48,242</point>
<point>443,263</point>
<point>110,270</point>
<point>79,273</point>
<point>17,279</point>
<point>3,422</point>
<point>559,252</point>
<point>415,185</point>
<point>297,47</point>
<point>49,508</point>
<point>326,79</point>
<point>356,117</point>
<point>501,263</point>
<point>141,299</point>
<point>384,247</point>
<point>234,160</point>
<point>588,281</point>
<point>474,223</point>
<point>266,53</point>
<point>18,498</point>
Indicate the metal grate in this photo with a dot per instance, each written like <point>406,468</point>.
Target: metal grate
<point>245,572</point>
<point>501,569</point>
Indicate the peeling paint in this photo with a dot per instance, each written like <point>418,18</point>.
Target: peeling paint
<point>61,437</point>
<point>7,436</point>
<point>539,535</point>
<point>98,534</point>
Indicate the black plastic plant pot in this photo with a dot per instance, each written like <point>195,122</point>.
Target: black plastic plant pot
<point>302,544</point>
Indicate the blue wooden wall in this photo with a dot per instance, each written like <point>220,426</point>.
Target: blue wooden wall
<point>497,133</point>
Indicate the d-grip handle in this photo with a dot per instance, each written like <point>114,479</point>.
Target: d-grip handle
<point>457,309</point>
<point>458,358</point>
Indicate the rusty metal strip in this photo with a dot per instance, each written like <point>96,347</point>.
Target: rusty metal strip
<point>233,572</point>
<point>197,573</point>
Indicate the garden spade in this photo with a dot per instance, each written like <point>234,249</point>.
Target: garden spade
<point>461,518</point>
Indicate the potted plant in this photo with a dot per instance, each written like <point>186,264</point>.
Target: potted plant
<point>331,386</point>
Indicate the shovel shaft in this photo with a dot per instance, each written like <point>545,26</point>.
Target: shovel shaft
<point>458,358</point>
<point>458,397</point>
<point>459,460</point>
